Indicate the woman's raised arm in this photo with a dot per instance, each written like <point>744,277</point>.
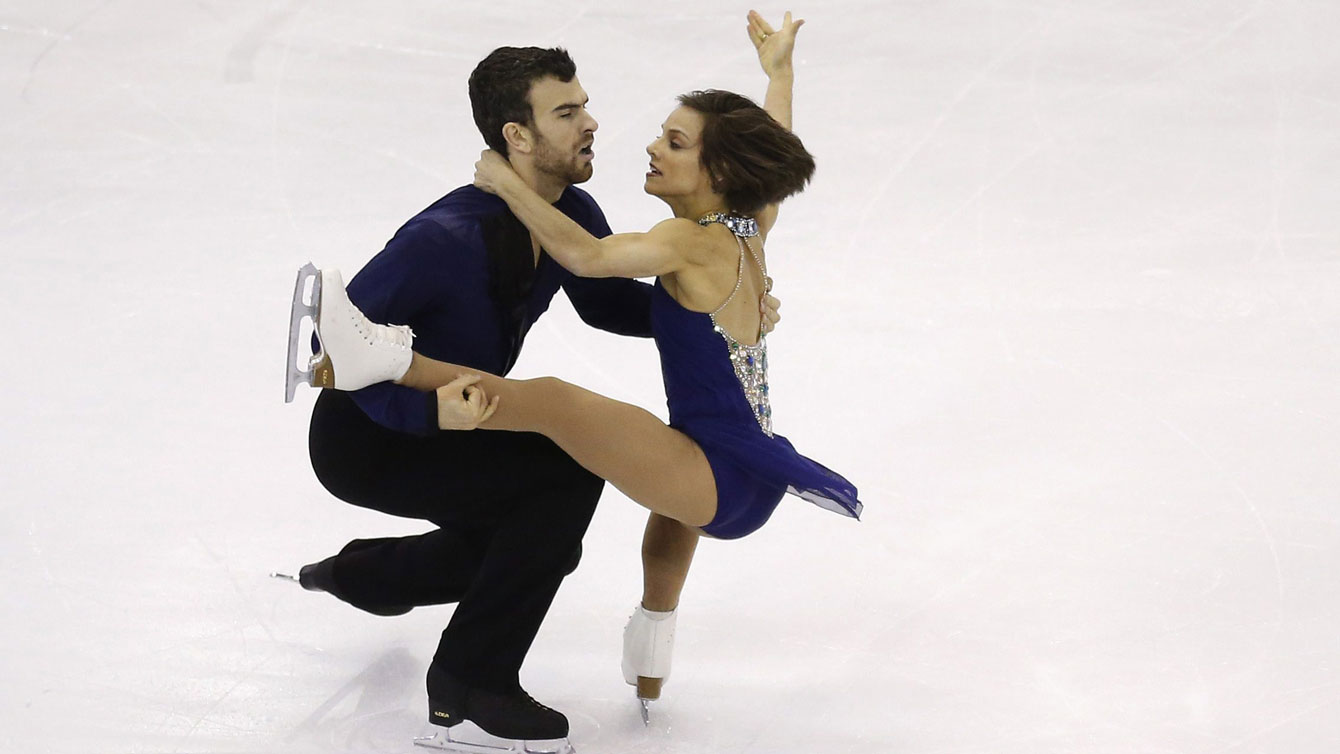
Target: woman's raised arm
<point>774,54</point>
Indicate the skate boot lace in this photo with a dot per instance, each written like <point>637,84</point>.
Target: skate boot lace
<point>531,700</point>
<point>400,336</point>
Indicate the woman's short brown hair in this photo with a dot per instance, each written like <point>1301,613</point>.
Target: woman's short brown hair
<point>752,159</point>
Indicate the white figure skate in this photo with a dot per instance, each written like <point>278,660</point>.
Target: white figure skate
<point>366,352</point>
<point>648,644</point>
<point>468,738</point>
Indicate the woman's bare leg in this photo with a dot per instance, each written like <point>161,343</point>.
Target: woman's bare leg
<point>655,465</point>
<point>667,553</point>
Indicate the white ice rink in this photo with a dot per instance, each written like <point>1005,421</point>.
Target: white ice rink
<point>1063,301</point>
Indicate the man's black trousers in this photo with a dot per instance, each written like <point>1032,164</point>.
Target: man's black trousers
<point>511,509</point>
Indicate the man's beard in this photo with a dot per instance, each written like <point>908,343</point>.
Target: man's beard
<point>569,168</point>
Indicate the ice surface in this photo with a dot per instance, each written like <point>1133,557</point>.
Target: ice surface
<point>1063,301</point>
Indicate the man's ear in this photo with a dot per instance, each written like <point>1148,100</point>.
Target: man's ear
<point>519,138</point>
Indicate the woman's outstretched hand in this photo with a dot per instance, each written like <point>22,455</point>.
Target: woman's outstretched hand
<point>493,171</point>
<point>774,45</point>
<point>461,405</point>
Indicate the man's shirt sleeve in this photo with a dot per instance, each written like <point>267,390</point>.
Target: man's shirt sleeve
<point>397,287</point>
<point>618,305</point>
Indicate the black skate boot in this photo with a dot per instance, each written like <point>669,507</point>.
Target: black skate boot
<point>519,722</point>
<point>320,577</point>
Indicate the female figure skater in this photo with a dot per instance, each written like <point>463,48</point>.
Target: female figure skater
<point>722,164</point>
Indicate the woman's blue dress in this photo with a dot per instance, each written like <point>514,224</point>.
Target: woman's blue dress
<point>717,393</point>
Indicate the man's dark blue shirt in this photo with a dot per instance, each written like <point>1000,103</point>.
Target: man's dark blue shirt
<point>462,275</point>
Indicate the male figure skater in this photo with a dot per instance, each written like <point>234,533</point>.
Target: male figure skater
<point>511,508</point>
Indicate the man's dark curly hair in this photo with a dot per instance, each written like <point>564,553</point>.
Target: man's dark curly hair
<point>753,160</point>
<point>501,82</point>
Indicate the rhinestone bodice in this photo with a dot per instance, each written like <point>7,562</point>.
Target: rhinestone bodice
<point>751,369</point>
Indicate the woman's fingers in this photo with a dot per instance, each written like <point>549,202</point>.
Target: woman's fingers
<point>756,33</point>
<point>763,23</point>
<point>759,28</point>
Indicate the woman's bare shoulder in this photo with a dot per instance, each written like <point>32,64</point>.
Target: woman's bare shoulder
<point>695,243</point>
<point>676,229</point>
<point>702,285</point>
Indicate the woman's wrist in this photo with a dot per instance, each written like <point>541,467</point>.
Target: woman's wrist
<point>508,187</point>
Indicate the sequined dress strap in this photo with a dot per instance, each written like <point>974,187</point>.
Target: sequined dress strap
<point>739,279</point>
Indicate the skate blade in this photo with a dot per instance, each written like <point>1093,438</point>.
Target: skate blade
<point>468,738</point>
<point>297,312</point>
<point>648,691</point>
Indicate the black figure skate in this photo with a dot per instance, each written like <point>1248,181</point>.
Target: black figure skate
<point>476,721</point>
